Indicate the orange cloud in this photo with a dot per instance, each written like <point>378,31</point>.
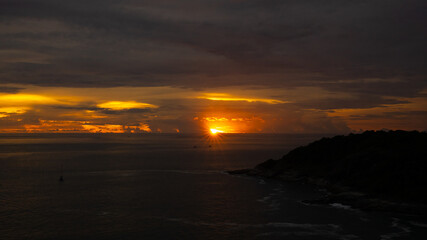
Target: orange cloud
<point>106,128</point>
<point>122,105</point>
<point>113,128</point>
<point>20,103</point>
<point>6,111</point>
<point>28,99</point>
<point>54,126</point>
<point>46,126</point>
<point>229,97</point>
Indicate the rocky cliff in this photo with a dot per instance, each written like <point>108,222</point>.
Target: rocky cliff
<point>391,166</point>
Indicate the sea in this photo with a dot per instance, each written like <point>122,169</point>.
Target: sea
<point>169,186</point>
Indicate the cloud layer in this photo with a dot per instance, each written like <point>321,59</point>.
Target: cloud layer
<point>319,57</point>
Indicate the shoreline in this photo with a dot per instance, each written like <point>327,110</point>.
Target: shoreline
<point>338,194</point>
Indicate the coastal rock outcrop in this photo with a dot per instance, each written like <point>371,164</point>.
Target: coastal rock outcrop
<point>386,165</point>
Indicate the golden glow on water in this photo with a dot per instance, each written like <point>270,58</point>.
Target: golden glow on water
<point>122,105</point>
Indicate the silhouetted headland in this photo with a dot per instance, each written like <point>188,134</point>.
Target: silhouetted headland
<point>375,170</point>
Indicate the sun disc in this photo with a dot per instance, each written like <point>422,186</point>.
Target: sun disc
<point>215,131</point>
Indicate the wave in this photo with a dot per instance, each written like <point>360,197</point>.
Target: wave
<point>277,228</point>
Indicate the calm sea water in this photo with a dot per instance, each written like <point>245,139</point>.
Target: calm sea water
<point>161,186</point>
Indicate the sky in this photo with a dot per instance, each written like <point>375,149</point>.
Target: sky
<point>238,66</point>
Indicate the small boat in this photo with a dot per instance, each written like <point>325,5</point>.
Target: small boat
<point>61,177</point>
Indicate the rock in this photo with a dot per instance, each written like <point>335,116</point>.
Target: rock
<point>382,167</point>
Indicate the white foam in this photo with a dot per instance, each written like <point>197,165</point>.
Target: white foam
<point>279,228</point>
<point>340,206</point>
<point>404,230</point>
<point>418,224</point>
<point>264,199</point>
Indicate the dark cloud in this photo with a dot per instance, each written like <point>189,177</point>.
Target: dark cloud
<point>366,48</point>
<point>419,115</point>
<point>10,89</point>
<point>89,106</point>
<point>93,107</point>
<point>358,101</point>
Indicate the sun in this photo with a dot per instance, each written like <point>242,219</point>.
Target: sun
<point>215,131</point>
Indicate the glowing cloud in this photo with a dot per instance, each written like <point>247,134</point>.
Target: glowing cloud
<point>107,128</point>
<point>21,103</point>
<point>49,126</point>
<point>6,111</point>
<point>114,128</point>
<point>54,126</point>
<point>143,127</point>
<point>11,99</point>
<point>121,105</point>
<point>229,97</point>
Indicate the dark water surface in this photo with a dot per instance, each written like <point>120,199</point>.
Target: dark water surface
<point>161,186</point>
